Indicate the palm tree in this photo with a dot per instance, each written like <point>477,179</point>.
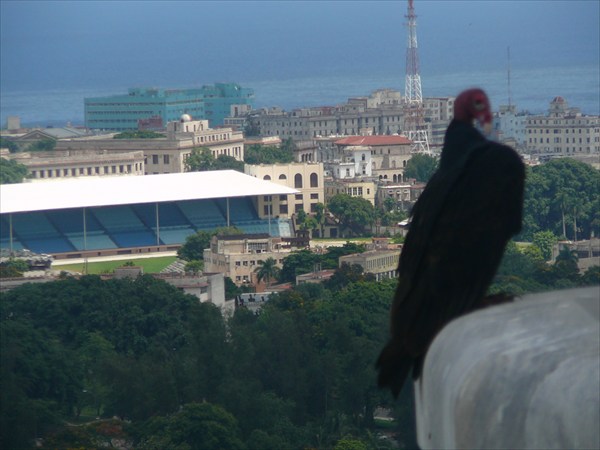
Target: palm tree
<point>267,270</point>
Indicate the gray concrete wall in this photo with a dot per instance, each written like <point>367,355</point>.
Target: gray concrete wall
<point>524,375</point>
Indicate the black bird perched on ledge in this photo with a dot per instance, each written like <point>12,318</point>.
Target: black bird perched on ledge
<point>460,226</point>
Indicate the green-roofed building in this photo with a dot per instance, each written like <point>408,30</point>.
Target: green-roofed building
<point>157,107</point>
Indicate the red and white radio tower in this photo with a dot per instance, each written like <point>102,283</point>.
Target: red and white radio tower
<point>414,121</point>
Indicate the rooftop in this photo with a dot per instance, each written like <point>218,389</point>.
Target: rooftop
<point>111,191</point>
<point>374,140</point>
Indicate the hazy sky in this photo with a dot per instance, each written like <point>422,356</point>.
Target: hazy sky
<point>108,43</point>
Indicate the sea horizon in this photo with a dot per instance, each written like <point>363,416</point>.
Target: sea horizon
<point>531,91</point>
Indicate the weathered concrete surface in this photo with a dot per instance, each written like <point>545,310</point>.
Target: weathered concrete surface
<point>524,375</point>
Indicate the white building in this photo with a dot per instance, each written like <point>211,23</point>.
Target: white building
<point>563,132</point>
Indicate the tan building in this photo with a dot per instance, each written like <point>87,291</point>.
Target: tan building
<point>238,256</point>
<point>381,263</point>
<point>354,188</point>
<point>68,164</point>
<point>389,154</point>
<point>381,113</point>
<point>307,178</point>
<point>563,132</point>
<point>405,194</point>
<point>169,154</point>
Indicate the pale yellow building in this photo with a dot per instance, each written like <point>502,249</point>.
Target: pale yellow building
<point>238,256</point>
<point>307,178</point>
<point>353,187</point>
<point>67,164</point>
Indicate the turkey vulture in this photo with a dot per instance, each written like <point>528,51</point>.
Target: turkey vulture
<point>460,226</point>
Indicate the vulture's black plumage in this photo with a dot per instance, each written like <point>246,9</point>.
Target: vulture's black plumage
<point>460,226</point>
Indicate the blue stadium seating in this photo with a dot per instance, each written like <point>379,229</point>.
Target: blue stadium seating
<point>95,240</point>
<point>175,235</point>
<point>117,218</point>
<point>36,233</point>
<point>112,227</point>
<point>203,214</point>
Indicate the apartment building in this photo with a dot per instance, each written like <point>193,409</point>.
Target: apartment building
<point>563,131</point>
<point>169,154</point>
<point>352,187</point>
<point>381,263</point>
<point>381,113</point>
<point>66,164</point>
<point>388,154</point>
<point>307,178</point>
<point>238,256</point>
<point>125,111</point>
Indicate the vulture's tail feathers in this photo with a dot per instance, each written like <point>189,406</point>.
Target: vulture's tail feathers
<point>394,366</point>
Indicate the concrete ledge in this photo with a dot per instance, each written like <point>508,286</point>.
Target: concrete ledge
<point>524,375</point>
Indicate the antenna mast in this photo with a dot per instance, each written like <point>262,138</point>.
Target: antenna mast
<point>414,121</point>
<point>509,90</point>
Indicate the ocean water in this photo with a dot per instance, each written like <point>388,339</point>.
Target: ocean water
<point>531,90</point>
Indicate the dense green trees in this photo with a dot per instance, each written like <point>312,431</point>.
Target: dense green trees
<point>304,261</point>
<point>298,375</point>
<point>267,154</point>
<point>355,213</point>
<point>9,144</point>
<point>420,167</point>
<point>562,196</point>
<point>202,159</point>
<point>44,145</point>
<point>11,171</point>
<point>138,134</point>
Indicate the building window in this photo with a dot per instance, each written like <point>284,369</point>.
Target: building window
<point>166,159</point>
<point>283,209</point>
<point>314,196</point>
<point>154,159</point>
<point>298,181</point>
<point>314,180</point>
<point>282,177</point>
<point>299,197</point>
<point>267,177</point>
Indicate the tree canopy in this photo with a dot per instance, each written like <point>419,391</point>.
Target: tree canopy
<point>354,213</point>
<point>11,171</point>
<point>562,197</point>
<point>138,134</point>
<point>420,167</point>
<point>268,154</point>
<point>201,159</point>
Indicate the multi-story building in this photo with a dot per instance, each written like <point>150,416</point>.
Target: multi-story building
<point>66,164</point>
<point>563,132</point>
<point>510,126</point>
<point>381,263</point>
<point>124,112</point>
<point>405,194</point>
<point>238,256</point>
<point>382,113</point>
<point>388,158</point>
<point>352,187</point>
<point>169,154</point>
<point>307,178</point>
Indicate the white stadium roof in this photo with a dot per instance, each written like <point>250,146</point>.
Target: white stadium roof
<point>124,190</point>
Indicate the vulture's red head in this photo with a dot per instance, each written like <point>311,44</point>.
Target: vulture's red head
<point>471,105</point>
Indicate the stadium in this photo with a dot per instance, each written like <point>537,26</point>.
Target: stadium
<point>132,214</point>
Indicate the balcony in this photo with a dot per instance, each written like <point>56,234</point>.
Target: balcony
<point>520,375</point>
